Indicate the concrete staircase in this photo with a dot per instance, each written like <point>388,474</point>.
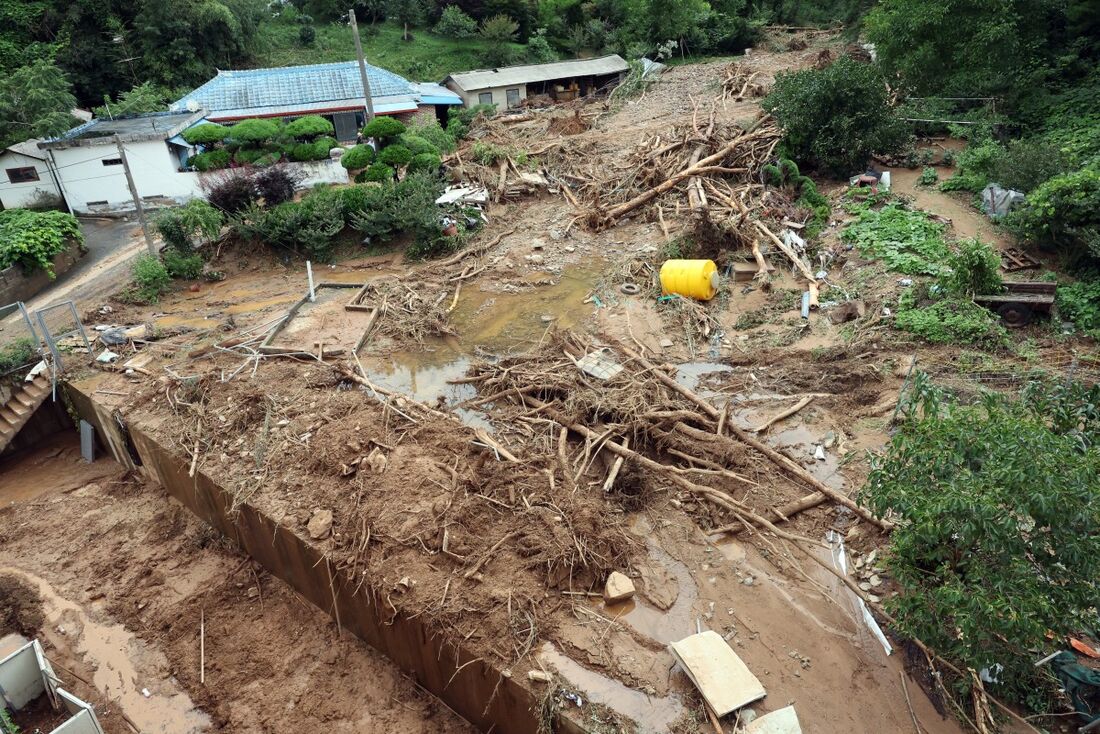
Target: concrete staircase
<point>21,406</point>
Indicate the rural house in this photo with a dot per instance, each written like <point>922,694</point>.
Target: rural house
<point>332,90</point>
<point>27,178</point>
<point>89,168</point>
<point>560,81</point>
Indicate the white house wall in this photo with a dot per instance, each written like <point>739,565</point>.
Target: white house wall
<point>21,678</point>
<point>86,180</point>
<point>500,94</point>
<point>14,195</point>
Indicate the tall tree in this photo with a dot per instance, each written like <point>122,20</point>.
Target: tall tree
<point>35,101</point>
<point>407,13</point>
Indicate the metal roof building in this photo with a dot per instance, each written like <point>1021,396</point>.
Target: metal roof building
<point>318,89</point>
<point>562,80</point>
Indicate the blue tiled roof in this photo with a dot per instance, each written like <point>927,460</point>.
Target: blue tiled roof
<point>292,86</point>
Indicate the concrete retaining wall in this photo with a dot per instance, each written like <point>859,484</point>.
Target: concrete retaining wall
<point>16,285</point>
<point>480,692</point>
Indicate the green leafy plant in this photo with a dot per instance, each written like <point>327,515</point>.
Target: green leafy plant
<point>383,129</point>
<point>1064,213</point>
<point>17,353</point>
<point>459,119</point>
<point>417,144</point>
<point>928,177</point>
<point>952,320</point>
<point>1080,303</point>
<point>376,172</point>
<point>307,34</point>
<point>973,268</point>
<point>180,265</point>
<point>358,157</point>
<point>836,118</point>
<point>254,131</point>
<point>309,127</point>
<point>784,174</point>
<point>32,239</point>
<point>407,206</point>
<point>308,227</point>
<point>182,227</point>
<point>150,279</point>
<point>436,135</point>
<point>207,133</point>
<point>998,539</point>
<point>906,241</point>
<point>425,162</point>
<point>395,155</point>
<point>210,160</point>
<point>454,23</point>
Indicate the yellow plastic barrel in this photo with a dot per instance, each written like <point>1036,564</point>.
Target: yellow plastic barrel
<point>692,278</point>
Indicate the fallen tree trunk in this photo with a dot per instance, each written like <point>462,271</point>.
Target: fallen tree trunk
<point>784,463</point>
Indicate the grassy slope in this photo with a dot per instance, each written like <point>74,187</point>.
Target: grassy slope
<point>427,57</point>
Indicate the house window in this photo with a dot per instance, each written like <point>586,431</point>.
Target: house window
<point>22,175</point>
<point>96,203</point>
<point>485,98</point>
<point>112,161</point>
<point>513,98</point>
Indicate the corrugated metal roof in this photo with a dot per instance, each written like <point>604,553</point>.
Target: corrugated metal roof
<point>387,106</point>
<point>291,86</point>
<point>470,81</point>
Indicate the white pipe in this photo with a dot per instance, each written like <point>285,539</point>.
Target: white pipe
<point>309,274</point>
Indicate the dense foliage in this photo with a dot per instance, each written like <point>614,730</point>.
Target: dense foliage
<point>972,268</point>
<point>185,227</point>
<point>906,240</point>
<point>998,537</point>
<point>948,319</point>
<point>834,119</point>
<point>309,127</point>
<point>1064,212</point>
<point>358,157</point>
<point>150,279</point>
<point>383,129</point>
<point>32,239</point>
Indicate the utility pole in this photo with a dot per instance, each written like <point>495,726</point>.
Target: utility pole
<point>137,199</point>
<point>362,66</point>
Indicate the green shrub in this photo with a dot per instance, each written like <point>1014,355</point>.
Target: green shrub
<point>1080,303</point>
<point>425,162</point>
<point>435,135</point>
<point>211,160</point>
<point>356,199</point>
<point>309,127</point>
<point>973,269</point>
<point>267,159</point>
<point>928,177</point>
<point>183,227</point>
<point>784,174</point>
<point>323,146</point>
<point>975,166</point>
<point>150,279</point>
<point>377,172</point>
<point>1063,212</point>
<point>836,118</point>
<point>307,34</point>
<point>18,353</point>
<point>407,206</point>
<point>207,133</point>
<point>358,157</point>
<point>383,129</point>
<point>952,320</point>
<point>459,119</point>
<point>906,241</point>
<point>395,155</point>
<point>997,544</point>
<point>303,152</point>
<point>1024,165</point>
<point>180,265</point>
<point>33,239</point>
<point>417,144</point>
<point>247,156</point>
<point>254,131</point>
<point>308,227</point>
<point>454,23</point>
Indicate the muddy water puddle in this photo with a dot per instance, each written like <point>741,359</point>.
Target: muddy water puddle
<point>124,666</point>
<point>651,713</point>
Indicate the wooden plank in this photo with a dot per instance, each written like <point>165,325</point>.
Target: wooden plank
<point>724,681</point>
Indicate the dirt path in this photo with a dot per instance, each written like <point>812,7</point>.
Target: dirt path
<point>124,588</point>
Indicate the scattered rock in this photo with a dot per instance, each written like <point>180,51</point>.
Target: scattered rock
<point>320,525</point>
<point>666,343</point>
<point>748,581</point>
<point>746,716</point>
<point>864,586</point>
<point>538,676</point>
<point>618,588</point>
<point>377,461</point>
<point>845,312</point>
<point>875,580</point>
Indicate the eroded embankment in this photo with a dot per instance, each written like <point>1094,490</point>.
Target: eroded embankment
<point>482,693</point>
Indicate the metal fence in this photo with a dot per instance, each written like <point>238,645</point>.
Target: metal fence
<point>60,327</point>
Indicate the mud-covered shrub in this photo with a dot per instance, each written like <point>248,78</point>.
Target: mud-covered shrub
<point>834,119</point>
<point>308,127</point>
<point>276,185</point>
<point>358,157</point>
<point>230,191</point>
<point>395,155</point>
<point>383,129</point>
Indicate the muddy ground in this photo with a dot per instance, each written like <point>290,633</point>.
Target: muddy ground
<point>508,556</point>
<point>124,575</point>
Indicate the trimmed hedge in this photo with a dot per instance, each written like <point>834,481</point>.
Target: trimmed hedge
<point>360,156</point>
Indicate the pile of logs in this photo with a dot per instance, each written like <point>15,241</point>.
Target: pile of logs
<point>739,84</point>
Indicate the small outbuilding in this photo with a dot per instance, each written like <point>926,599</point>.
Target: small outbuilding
<point>560,81</point>
<point>27,180</point>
